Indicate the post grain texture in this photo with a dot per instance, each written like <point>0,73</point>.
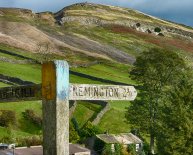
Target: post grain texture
<point>55,92</point>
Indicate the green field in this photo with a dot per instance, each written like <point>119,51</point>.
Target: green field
<point>85,111</point>
<point>28,72</point>
<point>14,133</point>
<point>114,120</point>
<point>113,72</point>
<point>22,126</point>
<point>81,80</point>
<point>3,84</point>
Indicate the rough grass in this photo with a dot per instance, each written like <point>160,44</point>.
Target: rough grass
<point>76,58</point>
<point>22,126</point>
<point>114,122</point>
<point>3,84</point>
<point>162,42</point>
<point>85,111</point>
<point>127,42</point>
<point>117,123</point>
<point>111,12</point>
<point>81,80</point>
<point>9,56</point>
<point>23,71</point>
<point>16,51</point>
<point>121,14</point>
<point>14,133</point>
<point>21,106</point>
<point>120,105</point>
<point>114,72</point>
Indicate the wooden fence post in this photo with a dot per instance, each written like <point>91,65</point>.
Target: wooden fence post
<point>55,99</point>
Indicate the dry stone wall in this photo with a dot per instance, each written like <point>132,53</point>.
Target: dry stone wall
<point>139,26</point>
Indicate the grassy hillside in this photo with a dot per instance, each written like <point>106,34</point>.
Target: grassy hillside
<point>96,40</point>
<point>23,71</point>
<point>110,71</point>
<point>85,111</point>
<point>117,123</point>
<point>22,127</point>
<point>3,84</point>
<point>85,32</point>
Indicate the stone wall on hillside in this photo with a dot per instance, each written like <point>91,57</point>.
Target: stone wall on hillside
<point>143,27</point>
<point>13,80</point>
<point>72,107</point>
<point>14,61</point>
<point>106,107</point>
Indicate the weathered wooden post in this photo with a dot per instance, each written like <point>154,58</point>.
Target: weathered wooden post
<point>55,93</point>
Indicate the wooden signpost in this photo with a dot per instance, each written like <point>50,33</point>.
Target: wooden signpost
<point>55,92</point>
<point>101,92</point>
<point>18,93</point>
<point>55,99</point>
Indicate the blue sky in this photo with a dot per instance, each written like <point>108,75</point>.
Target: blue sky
<point>174,10</point>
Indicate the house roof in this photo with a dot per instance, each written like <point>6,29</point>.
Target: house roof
<point>74,149</point>
<point>123,138</point>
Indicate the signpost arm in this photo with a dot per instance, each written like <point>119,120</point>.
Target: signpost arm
<point>55,92</point>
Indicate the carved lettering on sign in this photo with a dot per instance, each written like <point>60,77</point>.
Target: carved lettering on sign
<point>20,93</point>
<point>101,92</point>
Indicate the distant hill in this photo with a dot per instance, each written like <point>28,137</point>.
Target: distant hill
<point>88,31</point>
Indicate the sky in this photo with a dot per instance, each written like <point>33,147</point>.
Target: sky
<point>180,11</point>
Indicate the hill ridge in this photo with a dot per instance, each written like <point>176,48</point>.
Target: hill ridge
<point>91,31</point>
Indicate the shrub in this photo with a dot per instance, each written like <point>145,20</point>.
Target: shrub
<point>161,34</point>
<point>75,124</point>
<point>29,114</point>
<point>107,150</point>
<point>89,130</point>
<point>29,141</point>
<point>98,145</point>
<point>7,117</point>
<point>138,24</point>
<point>73,137</point>
<point>157,29</point>
<point>6,139</point>
<point>118,149</point>
<point>33,141</point>
<point>131,148</point>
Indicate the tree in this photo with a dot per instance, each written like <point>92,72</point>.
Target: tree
<point>157,29</point>
<point>176,125</point>
<point>89,130</point>
<point>155,70</point>
<point>73,137</point>
<point>7,118</point>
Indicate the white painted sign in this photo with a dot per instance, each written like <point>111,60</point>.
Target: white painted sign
<point>101,92</point>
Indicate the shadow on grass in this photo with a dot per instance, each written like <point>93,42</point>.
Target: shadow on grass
<point>29,127</point>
